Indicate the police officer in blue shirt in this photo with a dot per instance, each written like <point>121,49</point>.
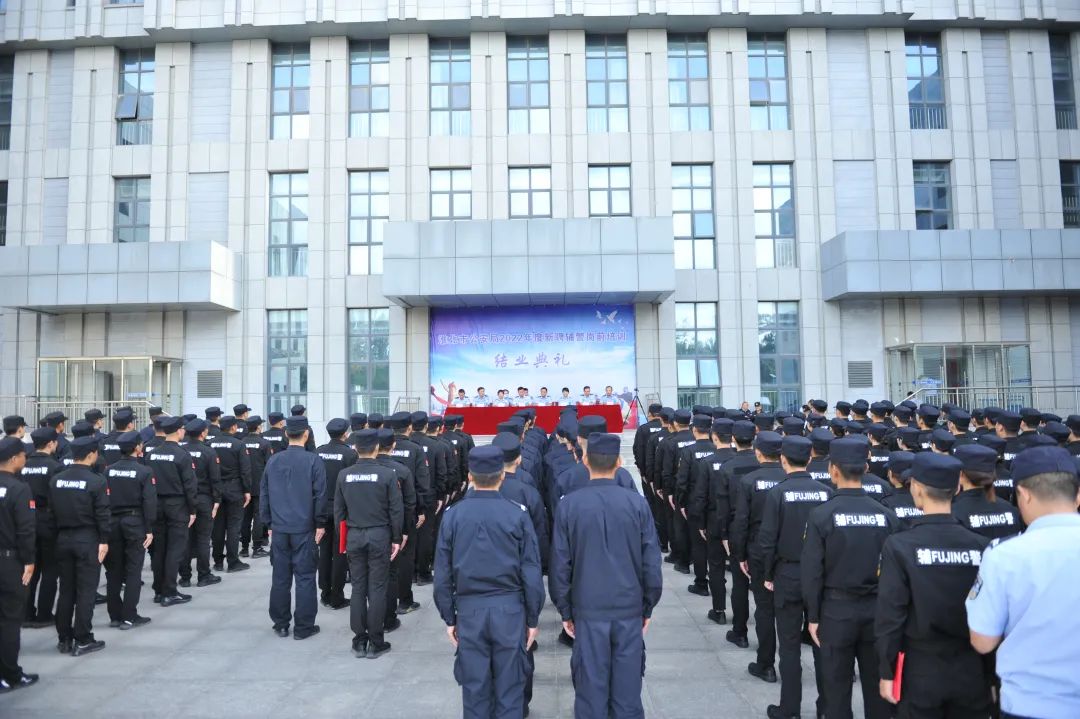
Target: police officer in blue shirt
<point>481,399</point>
<point>293,507</point>
<point>605,579</point>
<point>489,590</point>
<point>1024,601</point>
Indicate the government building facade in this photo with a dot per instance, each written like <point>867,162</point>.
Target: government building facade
<point>270,201</point>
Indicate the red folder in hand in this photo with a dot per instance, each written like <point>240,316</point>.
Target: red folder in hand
<point>342,531</point>
<point>898,677</point>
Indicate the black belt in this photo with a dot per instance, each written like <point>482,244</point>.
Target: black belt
<point>126,512</point>
<point>845,594</point>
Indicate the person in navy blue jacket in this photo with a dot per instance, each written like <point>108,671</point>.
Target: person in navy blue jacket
<point>605,579</point>
<point>489,590</point>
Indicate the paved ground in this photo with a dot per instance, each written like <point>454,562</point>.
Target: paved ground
<point>217,657</point>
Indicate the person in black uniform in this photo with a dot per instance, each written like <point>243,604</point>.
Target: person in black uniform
<point>276,434</point>
<point>38,471</point>
<point>650,480</point>
<point>17,556</point>
<point>333,564</point>
<point>368,500</point>
<point>977,506</point>
<point>839,565</point>
<point>642,434</point>
<point>709,513</point>
<point>926,574</point>
<point>213,421</point>
<point>732,471</point>
<point>685,477</point>
<point>900,501</point>
<point>208,484</point>
<point>123,421</point>
<point>133,503</point>
<point>605,579</point>
<point>294,507</point>
<point>750,497</point>
<point>15,426</point>
<point>780,543</point>
<point>235,466</point>
<point>299,410</point>
<point>1007,426</point>
<point>820,441</point>
<point>58,421</point>
<point>442,445</point>
<point>80,507</point>
<point>1003,482</point>
<point>1073,442</point>
<point>879,450</point>
<point>177,503</point>
<point>669,453</point>
<point>412,456</point>
<point>438,479</point>
<point>959,423</point>
<point>517,491</point>
<point>489,591</point>
<point>259,452</point>
<point>399,584</point>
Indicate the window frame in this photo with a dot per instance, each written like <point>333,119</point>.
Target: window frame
<point>611,54</point>
<point>777,113</point>
<point>779,389</point>
<point>610,191</point>
<point>138,183</point>
<point>923,210</point>
<point>375,120</point>
<point>924,113</point>
<point>296,343</point>
<point>1061,76</point>
<point>289,258</point>
<point>295,57</point>
<point>698,333</point>
<point>452,194</point>
<point>455,53</point>
<point>1070,193</point>
<point>369,248</point>
<point>703,244</point>
<point>3,212</point>
<point>685,73</point>
<point>783,247</point>
<point>531,191</point>
<point>134,111</point>
<point>534,53</point>
<point>373,365</point>
<point>7,91</point>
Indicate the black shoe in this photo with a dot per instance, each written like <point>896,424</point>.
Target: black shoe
<point>42,622</point>
<point>408,608</point>
<point>775,712</point>
<point>115,624</point>
<point>175,599</point>
<point>100,598</point>
<point>243,551</point>
<point>307,633</point>
<point>765,674</point>
<point>700,591</point>
<point>423,580</point>
<point>219,566</point>
<point>359,648</point>
<point>23,681</point>
<point>281,631</point>
<point>718,616</point>
<point>324,599</point>
<point>565,639</point>
<point>158,598</point>
<point>94,645</point>
<point>238,566</point>
<point>737,639</point>
<point>260,553</point>
<point>64,646</point>
<point>208,581</point>
<point>377,650</point>
<point>669,559</point>
<point>185,583</point>
<point>339,603</point>
<point>664,549</point>
<point>135,623</point>
<point>392,625</point>
<point>682,568</point>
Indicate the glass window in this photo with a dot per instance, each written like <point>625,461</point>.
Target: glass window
<point>291,92</point>
<point>286,359</point>
<point>1070,193</point>
<point>933,204</point>
<point>7,80</point>
<point>369,360</point>
<point>135,98</point>
<point>530,192</point>
<point>692,216</point>
<point>1064,88</point>
<point>609,190</point>
<point>369,89</point>
<point>774,215</point>
<point>688,82</point>
<point>697,356</point>
<point>925,83</point>
<point>528,86</point>
<point>3,213</point>
<point>767,59</point>
<point>779,355</point>
<point>131,221</point>
<point>451,87</point>
<point>288,224</point>
<point>369,209</point>
<point>606,88</point>
<point>451,194</point>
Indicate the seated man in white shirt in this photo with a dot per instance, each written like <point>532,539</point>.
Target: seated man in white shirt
<point>481,399</point>
<point>566,400</point>
<point>587,397</point>
<point>501,400</point>
<point>609,397</point>
<point>523,399</point>
<point>461,400</point>
<point>544,399</point>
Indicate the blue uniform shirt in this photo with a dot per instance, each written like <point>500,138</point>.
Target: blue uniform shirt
<point>293,496</point>
<point>1028,591</point>
<point>479,401</point>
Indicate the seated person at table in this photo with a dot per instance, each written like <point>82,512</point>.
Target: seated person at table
<point>566,400</point>
<point>523,399</point>
<point>481,399</point>
<point>461,400</point>
<point>609,397</point>
<point>544,399</point>
<point>587,397</point>
<point>501,400</point>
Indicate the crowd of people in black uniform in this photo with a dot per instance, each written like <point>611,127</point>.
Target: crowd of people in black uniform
<point>801,510</point>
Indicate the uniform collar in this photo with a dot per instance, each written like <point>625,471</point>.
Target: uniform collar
<point>846,492</point>
<point>801,474</point>
<point>935,519</point>
<point>484,493</point>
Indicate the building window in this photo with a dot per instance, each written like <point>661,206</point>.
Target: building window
<point>369,209</point>
<point>451,87</point>
<point>369,360</point>
<point>528,98</point>
<point>779,355</point>
<point>451,194</point>
<point>530,192</point>
<point>609,190</point>
<point>774,215</point>
<point>286,359</point>
<point>767,59</point>
<point>1064,88</point>
<point>292,92</point>
<point>7,80</point>
<point>692,216</point>
<point>369,89</point>
<point>135,100</point>
<point>688,82</point>
<point>696,352</point>
<point>131,222</point>
<point>926,90</point>
<point>3,213</point>
<point>288,224</point>
<point>1070,193</point>
<point>933,204</point>
<point>71,3</point>
<point>607,92</point>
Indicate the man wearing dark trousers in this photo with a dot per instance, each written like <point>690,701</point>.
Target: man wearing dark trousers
<point>687,476</point>
<point>399,579</point>
<point>176,490</point>
<point>38,471</point>
<point>294,509</point>
<point>259,451</point>
<point>17,551</point>
<point>336,455</point>
<point>207,467</point>
<point>669,454</point>
<point>80,504</point>
<point>133,503</point>
<point>731,473</point>
<point>438,473</point>
<point>709,512</point>
<point>235,496</point>
<point>368,501</point>
<point>412,456</point>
